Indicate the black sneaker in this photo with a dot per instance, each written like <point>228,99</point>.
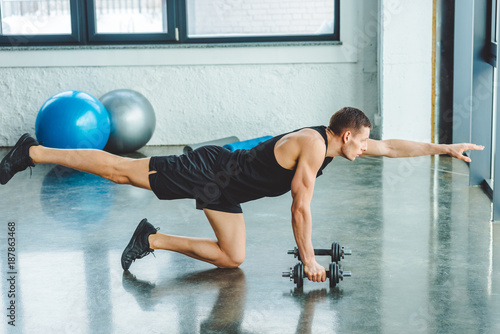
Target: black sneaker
<point>18,159</point>
<point>138,247</point>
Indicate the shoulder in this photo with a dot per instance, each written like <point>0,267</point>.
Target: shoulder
<point>306,136</point>
<point>311,142</point>
<point>300,146</point>
<point>304,141</point>
<point>311,148</point>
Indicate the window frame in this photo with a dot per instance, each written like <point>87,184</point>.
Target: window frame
<point>84,31</point>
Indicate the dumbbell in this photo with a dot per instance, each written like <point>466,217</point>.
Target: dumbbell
<point>335,274</point>
<point>336,252</point>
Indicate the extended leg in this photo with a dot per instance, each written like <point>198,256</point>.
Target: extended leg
<point>228,251</point>
<point>112,167</point>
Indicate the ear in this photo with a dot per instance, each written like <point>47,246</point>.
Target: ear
<point>346,136</point>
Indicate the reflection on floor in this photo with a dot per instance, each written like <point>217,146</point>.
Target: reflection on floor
<point>426,258</point>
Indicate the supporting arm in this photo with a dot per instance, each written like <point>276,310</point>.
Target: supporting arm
<point>302,189</point>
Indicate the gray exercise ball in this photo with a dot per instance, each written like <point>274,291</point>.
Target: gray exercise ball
<point>132,120</point>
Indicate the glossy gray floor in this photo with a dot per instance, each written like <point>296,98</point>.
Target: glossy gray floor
<point>426,258</point>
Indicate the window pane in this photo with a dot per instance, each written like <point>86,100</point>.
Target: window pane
<point>41,17</point>
<point>131,16</point>
<point>222,18</point>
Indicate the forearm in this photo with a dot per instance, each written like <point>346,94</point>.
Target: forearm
<point>398,148</point>
<point>302,231</point>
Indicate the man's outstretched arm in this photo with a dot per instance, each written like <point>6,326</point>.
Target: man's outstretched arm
<point>397,148</point>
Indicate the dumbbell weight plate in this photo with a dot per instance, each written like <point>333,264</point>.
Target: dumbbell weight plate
<point>299,275</point>
<point>333,274</point>
<point>335,252</point>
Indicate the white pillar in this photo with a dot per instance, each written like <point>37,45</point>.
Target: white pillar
<point>405,74</point>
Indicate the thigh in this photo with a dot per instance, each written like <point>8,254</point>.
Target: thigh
<point>230,231</point>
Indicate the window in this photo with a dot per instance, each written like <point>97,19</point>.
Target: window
<point>45,22</point>
<point>248,20</point>
<point>23,17</point>
<point>27,22</point>
<point>146,16</point>
<point>130,21</point>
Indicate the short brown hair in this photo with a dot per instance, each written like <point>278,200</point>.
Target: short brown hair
<point>348,118</point>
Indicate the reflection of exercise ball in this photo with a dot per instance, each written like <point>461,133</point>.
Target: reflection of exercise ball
<point>132,118</point>
<point>85,199</point>
<point>73,119</point>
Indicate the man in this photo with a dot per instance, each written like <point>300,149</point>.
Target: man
<point>220,180</point>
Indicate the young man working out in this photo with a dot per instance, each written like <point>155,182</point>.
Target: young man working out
<point>219,180</point>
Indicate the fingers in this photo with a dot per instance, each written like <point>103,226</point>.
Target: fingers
<point>473,147</point>
<point>459,149</point>
<point>316,277</point>
<point>465,158</point>
<point>319,276</point>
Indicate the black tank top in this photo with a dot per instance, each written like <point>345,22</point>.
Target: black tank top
<point>245,175</point>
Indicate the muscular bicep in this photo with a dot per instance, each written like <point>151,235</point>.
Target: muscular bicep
<point>308,164</point>
<point>303,181</point>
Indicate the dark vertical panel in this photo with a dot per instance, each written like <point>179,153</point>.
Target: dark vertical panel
<point>445,72</point>
<point>482,95</point>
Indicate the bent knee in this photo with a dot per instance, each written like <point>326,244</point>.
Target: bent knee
<point>232,261</point>
<point>119,173</point>
<point>119,179</point>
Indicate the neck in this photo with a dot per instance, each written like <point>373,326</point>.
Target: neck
<point>334,144</point>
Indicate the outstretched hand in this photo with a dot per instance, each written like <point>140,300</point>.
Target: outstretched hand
<point>457,150</point>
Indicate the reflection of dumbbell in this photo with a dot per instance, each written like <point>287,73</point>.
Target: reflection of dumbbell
<point>336,252</point>
<point>335,274</point>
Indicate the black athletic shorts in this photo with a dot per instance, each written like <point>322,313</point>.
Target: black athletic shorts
<point>191,176</point>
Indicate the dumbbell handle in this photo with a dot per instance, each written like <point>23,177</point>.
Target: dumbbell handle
<point>329,251</point>
<point>290,273</point>
<point>321,251</point>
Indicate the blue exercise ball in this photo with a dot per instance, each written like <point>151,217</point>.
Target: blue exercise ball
<point>132,118</point>
<point>73,119</point>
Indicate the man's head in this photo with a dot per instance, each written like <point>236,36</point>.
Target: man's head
<point>352,127</point>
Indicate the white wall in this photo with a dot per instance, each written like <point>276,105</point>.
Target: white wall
<point>405,60</point>
<point>204,92</point>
